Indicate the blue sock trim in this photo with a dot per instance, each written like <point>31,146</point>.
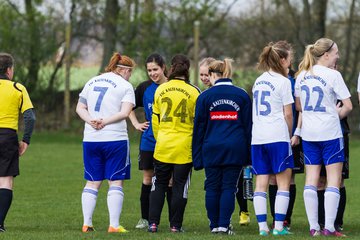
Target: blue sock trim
<point>261,217</point>
<point>260,194</point>
<point>332,189</point>
<point>279,217</point>
<point>283,193</point>
<point>310,187</point>
<point>91,191</point>
<point>115,188</point>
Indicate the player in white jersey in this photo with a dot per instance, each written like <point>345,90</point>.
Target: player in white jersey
<point>317,88</point>
<point>272,126</point>
<point>358,88</point>
<point>104,104</point>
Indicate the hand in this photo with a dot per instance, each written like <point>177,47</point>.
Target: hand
<point>97,124</point>
<point>22,147</point>
<point>295,140</point>
<point>142,126</point>
<point>338,108</point>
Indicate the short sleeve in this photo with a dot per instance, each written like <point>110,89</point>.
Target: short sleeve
<point>129,95</point>
<point>26,102</point>
<point>287,97</point>
<point>358,84</point>
<point>342,92</point>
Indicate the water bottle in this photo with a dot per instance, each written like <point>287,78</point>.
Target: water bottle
<point>248,191</point>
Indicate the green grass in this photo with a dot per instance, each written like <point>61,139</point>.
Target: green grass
<point>47,199</point>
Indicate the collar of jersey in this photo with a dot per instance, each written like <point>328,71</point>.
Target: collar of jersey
<point>223,81</point>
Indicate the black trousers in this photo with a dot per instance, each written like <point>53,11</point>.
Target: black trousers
<point>181,174</point>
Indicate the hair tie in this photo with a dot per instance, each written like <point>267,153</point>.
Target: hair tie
<point>119,55</point>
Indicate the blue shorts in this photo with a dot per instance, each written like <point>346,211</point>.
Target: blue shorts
<point>324,152</point>
<point>106,160</point>
<point>271,158</point>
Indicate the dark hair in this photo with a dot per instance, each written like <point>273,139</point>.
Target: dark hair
<point>118,59</point>
<point>271,56</point>
<point>158,59</point>
<point>6,61</point>
<point>180,65</point>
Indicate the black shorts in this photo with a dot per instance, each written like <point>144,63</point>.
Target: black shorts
<point>9,153</point>
<point>146,160</point>
<point>298,155</point>
<point>345,169</point>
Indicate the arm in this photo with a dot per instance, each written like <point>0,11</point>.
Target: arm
<point>135,122</point>
<point>82,111</point>
<point>298,104</point>
<point>288,117</point>
<point>126,108</point>
<point>295,140</point>
<point>345,109</point>
<point>198,137</point>
<point>247,116</point>
<point>29,121</point>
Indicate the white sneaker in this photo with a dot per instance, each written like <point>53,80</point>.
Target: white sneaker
<point>143,223</point>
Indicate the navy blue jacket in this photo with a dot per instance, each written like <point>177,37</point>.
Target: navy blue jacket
<point>222,127</point>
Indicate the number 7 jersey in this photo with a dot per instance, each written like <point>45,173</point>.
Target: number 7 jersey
<point>318,92</point>
<point>173,121</point>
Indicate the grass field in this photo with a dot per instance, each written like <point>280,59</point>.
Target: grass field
<point>47,199</point>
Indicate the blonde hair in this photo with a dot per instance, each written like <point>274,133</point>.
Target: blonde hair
<point>271,56</point>
<point>221,68</point>
<point>120,61</point>
<point>206,61</point>
<point>314,52</point>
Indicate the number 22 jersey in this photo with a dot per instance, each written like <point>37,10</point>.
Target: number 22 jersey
<point>318,92</point>
<point>104,95</point>
<point>173,121</point>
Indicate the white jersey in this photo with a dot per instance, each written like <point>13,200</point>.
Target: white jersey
<point>271,92</point>
<point>104,95</point>
<point>358,84</point>
<point>318,92</point>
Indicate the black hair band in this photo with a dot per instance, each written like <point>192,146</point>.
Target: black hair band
<point>327,49</point>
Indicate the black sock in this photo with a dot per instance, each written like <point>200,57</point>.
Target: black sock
<point>341,208</point>
<point>291,203</point>
<point>168,199</point>
<point>321,208</point>
<point>240,196</point>
<point>145,201</point>
<point>272,196</point>
<point>6,196</point>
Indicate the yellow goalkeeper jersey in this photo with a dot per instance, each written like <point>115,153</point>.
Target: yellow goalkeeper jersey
<point>173,121</point>
<point>13,99</point>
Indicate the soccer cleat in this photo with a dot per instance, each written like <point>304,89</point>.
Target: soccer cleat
<point>143,223</point>
<point>174,229</point>
<point>225,231</point>
<point>119,229</point>
<point>215,231</point>
<point>335,233</point>
<point>2,229</point>
<point>339,228</point>
<point>153,228</point>
<point>315,233</point>
<point>284,231</point>
<point>244,218</point>
<point>86,228</point>
<point>264,233</point>
<point>286,225</point>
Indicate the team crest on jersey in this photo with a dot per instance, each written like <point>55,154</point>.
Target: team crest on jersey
<point>228,115</point>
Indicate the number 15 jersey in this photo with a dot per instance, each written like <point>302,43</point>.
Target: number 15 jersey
<point>318,92</point>
<point>173,121</point>
<point>104,95</point>
<point>271,92</point>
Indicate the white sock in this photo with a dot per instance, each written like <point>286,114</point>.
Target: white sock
<point>332,198</point>
<point>311,206</point>
<point>88,202</point>
<point>260,207</point>
<point>115,200</point>
<point>281,206</point>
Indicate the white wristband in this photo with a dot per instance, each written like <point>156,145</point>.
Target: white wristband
<point>297,132</point>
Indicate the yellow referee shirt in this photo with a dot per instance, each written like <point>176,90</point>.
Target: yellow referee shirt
<point>13,99</point>
<point>173,121</point>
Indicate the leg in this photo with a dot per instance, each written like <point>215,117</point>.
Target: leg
<point>282,197</point>
<point>227,201</point>
<point>88,202</point>
<point>162,176</point>
<point>169,192</point>
<point>332,194</point>
<point>212,195</point>
<point>291,201</point>
<point>341,209</point>
<point>145,193</point>
<point>243,212</point>
<point>6,195</point>
<point>262,182</point>
<point>181,183</point>
<point>321,194</point>
<point>310,195</point>
<point>115,199</point>
<point>272,195</point>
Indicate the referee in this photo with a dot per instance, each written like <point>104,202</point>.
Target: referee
<point>13,100</point>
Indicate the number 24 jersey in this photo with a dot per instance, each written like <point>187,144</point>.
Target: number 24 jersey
<point>173,121</point>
